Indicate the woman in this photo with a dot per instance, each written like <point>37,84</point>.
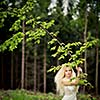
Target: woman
<point>67,83</point>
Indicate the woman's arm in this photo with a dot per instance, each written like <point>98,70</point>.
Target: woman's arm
<point>70,83</point>
<point>73,81</point>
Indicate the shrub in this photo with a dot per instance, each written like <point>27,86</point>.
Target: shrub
<point>29,95</point>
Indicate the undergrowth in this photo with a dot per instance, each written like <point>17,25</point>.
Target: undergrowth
<point>29,95</point>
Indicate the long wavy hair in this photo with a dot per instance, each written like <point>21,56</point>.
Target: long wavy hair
<point>58,77</point>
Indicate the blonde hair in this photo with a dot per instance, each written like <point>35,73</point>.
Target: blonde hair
<point>58,77</point>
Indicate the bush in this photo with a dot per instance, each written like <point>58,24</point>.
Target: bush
<point>29,95</point>
<point>85,97</point>
<point>26,95</point>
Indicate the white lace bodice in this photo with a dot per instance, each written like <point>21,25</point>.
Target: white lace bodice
<point>70,93</point>
<point>69,89</point>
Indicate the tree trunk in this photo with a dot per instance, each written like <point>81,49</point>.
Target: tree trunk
<point>97,51</point>
<point>26,69</point>
<point>16,69</point>
<point>2,72</point>
<point>23,50</point>
<point>44,66</point>
<point>12,70</point>
<point>39,75</point>
<point>85,40</point>
<point>97,62</point>
<point>35,58</point>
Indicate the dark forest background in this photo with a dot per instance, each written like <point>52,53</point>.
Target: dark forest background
<point>25,60</point>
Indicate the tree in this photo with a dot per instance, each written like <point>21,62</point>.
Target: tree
<point>97,48</point>
<point>85,40</point>
<point>35,67</point>
<point>77,11</point>
<point>44,64</point>
<point>34,33</point>
<point>23,56</point>
<point>12,69</point>
<point>67,29</point>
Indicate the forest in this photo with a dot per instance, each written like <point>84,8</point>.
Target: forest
<point>38,36</point>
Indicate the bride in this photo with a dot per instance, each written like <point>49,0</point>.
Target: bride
<point>67,82</point>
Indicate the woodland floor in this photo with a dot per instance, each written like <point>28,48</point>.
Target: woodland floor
<point>29,95</point>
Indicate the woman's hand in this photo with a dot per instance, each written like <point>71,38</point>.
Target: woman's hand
<point>79,69</point>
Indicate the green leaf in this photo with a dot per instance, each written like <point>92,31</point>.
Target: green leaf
<point>52,41</point>
<point>61,57</point>
<point>53,48</point>
<point>54,55</point>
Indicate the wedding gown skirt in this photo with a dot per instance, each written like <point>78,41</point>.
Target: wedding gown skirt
<point>70,93</point>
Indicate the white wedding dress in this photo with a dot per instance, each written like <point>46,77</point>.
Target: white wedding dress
<point>70,93</point>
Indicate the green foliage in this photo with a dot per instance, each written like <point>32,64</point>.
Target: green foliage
<point>3,14</point>
<point>29,95</point>
<point>34,27</point>
<point>36,34</point>
<point>82,49</point>
<point>86,97</point>
<point>75,56</point>
<point>54,68</point>
<point>12,42</point>
<point>63,51</point>
<point>39,29</point>
<point>16,26</point>
<point>83,80</point>
<point>26,95</point>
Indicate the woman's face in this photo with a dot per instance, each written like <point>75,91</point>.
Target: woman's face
<point>68,72</point>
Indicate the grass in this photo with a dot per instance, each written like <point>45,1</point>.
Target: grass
<point>29,95</point>
<point>26,95</point>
